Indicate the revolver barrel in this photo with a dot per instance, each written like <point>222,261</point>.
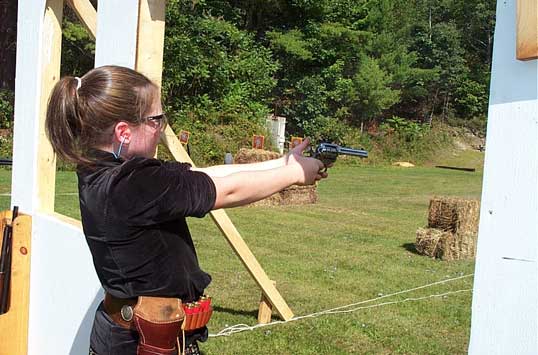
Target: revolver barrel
<point>354,152</point>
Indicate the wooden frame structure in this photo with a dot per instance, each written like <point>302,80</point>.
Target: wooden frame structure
<point>57,312</point>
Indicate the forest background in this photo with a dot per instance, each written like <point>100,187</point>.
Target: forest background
<point>391,76</point>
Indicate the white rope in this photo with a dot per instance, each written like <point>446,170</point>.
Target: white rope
<point>345,309</point>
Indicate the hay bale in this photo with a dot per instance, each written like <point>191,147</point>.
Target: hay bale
<point>457,246</point>
<point>445,245</point>
<point>427,241</point>
<point>456,215</point>
<point>293,195</point>
<point>245,156</point>
<point>452,229</point>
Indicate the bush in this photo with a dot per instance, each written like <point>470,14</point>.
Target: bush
<point>6,147</point>
<point>7,98</point>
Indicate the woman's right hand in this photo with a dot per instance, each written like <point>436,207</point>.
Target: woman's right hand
<point>308,170</point>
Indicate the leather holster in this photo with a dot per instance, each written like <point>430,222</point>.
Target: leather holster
<point>158,321</point>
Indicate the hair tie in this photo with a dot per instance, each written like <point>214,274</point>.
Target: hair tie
<point>79,82</point>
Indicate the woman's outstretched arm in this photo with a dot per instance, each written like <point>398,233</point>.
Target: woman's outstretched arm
<point>244,187</point>
<point>228,169</point>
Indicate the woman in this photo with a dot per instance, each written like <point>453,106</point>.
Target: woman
<point>133,207</point>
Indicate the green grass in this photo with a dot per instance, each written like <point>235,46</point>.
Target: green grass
<point>354,245</point>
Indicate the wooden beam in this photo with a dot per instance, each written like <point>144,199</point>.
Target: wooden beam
<point>527,29</point>
<point>51,57</point>
<point>86,14</point>
<point>150,48</point>
<point>265,310</point>
<point>14,323</point>
<point>233,237</point>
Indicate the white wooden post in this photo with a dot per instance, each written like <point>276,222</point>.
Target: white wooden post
<point>117,24</point>
<point>505,296</point>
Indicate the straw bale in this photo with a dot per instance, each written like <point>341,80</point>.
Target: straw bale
<point>445,245</point>
<point>245,156</point>
<point>457,247</point>
<point>293,195</point>
<point>454,214</point>
<point>427,241</point>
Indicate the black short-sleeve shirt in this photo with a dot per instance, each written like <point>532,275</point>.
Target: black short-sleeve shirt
<point>133,215</point>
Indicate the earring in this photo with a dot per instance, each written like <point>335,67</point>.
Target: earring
<point>117,155</point>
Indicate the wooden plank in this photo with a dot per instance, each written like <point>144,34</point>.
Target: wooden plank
<point>455,168</point>
<point>117,27</point>
<point>527,29</point>
<point>233,237</point>
<point>14,323</point>
<point>151,24</point>
<point>87,14</point>
<point>150,47</point>
<point>265,311</point>
<point>52,51</point>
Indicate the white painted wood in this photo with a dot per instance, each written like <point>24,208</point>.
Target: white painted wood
<point>26,126</point>
<point>64,289</point>
<point>117,24</point>
<point>505,296</point>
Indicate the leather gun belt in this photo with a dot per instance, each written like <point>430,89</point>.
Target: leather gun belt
<point>121,310</point>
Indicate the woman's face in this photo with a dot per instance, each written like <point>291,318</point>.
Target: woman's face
<point>145,137</point>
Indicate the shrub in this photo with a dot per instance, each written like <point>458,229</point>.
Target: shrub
<point>7,98</point>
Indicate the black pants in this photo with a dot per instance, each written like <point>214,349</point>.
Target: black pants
<point>108,338</point>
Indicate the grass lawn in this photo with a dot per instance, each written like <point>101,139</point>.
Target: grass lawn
<point>355,244</point>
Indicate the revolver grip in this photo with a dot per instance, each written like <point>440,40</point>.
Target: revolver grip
<point>327,160</point>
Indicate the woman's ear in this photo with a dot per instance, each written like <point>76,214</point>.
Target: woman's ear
<point>122,132</point>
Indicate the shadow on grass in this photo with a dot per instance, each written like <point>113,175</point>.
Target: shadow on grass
<point>236,312</point>
<point>411,248</point>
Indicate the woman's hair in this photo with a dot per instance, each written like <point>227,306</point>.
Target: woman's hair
<point>82,112</point>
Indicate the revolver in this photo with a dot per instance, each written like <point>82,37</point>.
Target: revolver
<point>328,152</point>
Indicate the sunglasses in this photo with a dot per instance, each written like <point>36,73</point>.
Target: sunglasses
<point>157,121</point>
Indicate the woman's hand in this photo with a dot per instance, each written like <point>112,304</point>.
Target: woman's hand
<point>241,188</point>
<point>308,170</point>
